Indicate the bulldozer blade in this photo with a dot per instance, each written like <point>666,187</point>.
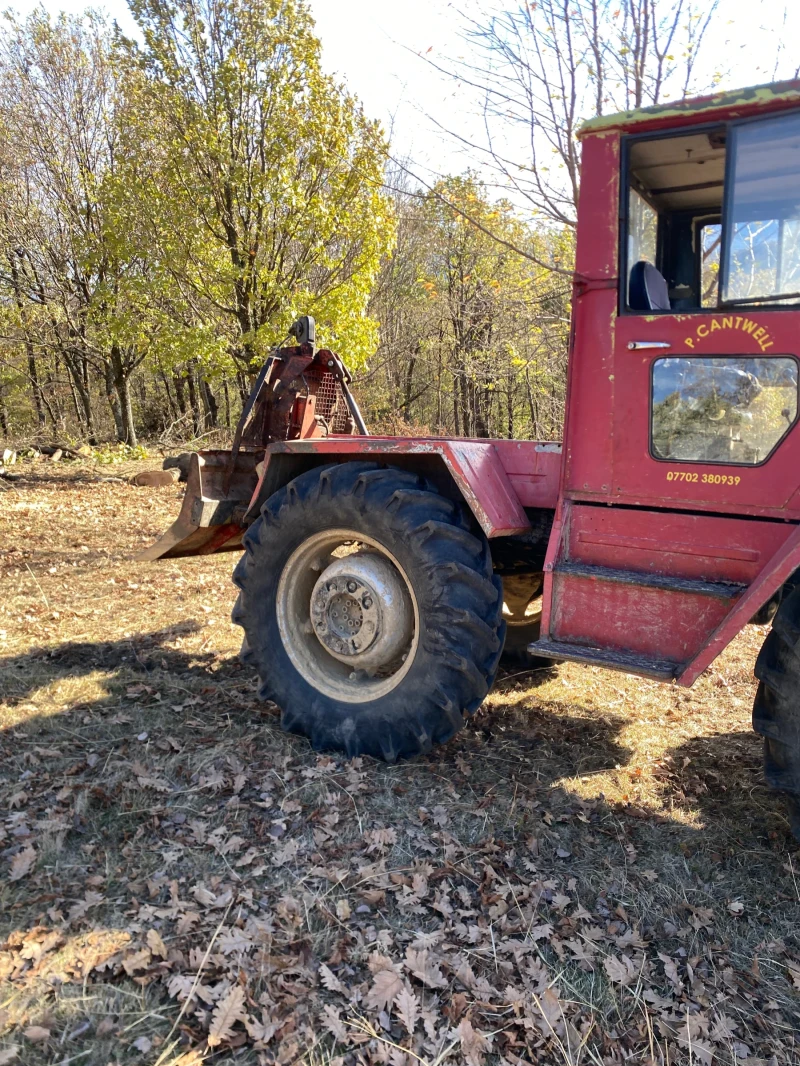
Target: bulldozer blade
<point>211,518</point>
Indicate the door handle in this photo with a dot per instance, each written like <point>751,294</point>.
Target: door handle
<point>638,346</point>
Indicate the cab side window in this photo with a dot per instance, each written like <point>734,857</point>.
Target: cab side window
<point>674,209</point>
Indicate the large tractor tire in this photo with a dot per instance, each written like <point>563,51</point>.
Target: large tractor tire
<point>370,610</point>
<point>776,710</point>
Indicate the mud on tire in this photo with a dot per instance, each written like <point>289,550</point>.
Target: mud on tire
<point>459,629</point>
<point>776,709</point>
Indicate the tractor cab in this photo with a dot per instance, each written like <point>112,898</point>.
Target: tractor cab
<point>682,459</point>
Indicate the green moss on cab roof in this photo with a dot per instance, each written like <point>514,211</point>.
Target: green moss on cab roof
<point>755,96</point>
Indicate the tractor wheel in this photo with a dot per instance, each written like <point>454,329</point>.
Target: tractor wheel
<point>776,710</point>
<point>369,609</point>
<point>522,611</point>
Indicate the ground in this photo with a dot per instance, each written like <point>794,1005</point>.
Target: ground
<point>591,872</point>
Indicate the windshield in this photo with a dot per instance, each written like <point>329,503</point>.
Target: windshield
<point>762,239</point>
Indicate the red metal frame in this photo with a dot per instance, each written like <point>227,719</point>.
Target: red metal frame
<point>497,478</point>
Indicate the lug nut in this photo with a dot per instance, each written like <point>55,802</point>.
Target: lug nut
<point>366,603</point>
<point>351,586</point>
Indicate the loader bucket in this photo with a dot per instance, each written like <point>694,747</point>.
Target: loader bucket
<point>211,519</point>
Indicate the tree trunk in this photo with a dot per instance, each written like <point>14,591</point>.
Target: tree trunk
<point>123,388</point>
<point>173,410</point>
<point>194,403</point>
<point>33,373</point>
<point>113,402</point>
<point>227,395</point>
<point>210,404</point>
<point>79,381</point>
<point>409,382</point>
<point>180,394</point>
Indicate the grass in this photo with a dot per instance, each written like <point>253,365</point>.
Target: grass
<point>182,842</point>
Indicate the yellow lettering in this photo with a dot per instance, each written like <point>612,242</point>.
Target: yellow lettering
<point>748,326</point>
<point>766,344</point>
<point>689,342</point>
<point>727,323</point>
<point>759,333</point>
<point>738,320</point>
<point>715,325</point>
<point>702,330</point>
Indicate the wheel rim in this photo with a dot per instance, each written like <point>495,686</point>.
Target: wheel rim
<point>347,615</point>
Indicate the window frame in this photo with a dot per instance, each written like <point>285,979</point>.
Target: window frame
<point>714,218</point>
<point>627,140</point>
<point>721,462</point>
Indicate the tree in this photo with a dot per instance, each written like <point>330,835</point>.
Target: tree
<point>473,338</point>
<point>257,176</point>
<point>541,69</point>
<point>79,283</point>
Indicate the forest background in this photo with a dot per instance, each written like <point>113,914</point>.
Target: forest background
<point>172,199</point>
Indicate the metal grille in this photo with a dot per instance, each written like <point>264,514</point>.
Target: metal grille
<point>331,403</point>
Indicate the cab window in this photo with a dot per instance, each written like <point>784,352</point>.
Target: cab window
<point>762,231</point>
<point>712,218</point>
<point>677,183</point>
<point>722,409</point>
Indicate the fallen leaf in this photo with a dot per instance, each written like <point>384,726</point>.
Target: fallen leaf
<point>475,1045</point>
<point>156,943</point>
<point>385,987</point>
<point>227,1013</point>
<point>22,863</point>
<point>407,1006</point>
<point>36,1034</point>
<point>425,968</point>
<point>620,970</point>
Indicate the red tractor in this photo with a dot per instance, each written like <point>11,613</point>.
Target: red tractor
<point>382,578</point>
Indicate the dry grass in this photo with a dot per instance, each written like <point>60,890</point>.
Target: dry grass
<point>126,721</point>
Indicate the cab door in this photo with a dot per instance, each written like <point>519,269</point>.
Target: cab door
<point>706,375</point>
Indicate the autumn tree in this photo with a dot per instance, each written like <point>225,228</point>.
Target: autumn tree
<point>473,337</point>
<point>258,177</point>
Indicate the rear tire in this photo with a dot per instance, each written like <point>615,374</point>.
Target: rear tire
<point>776,709</point>
<point>403,536</point>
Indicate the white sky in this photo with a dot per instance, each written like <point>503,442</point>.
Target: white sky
<point>375,47</point>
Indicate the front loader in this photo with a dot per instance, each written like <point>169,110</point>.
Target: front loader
<point>382,579</point>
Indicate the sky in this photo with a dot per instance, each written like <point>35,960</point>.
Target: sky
<point>379,49</point>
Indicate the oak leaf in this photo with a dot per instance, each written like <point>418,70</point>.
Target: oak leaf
<point>330,980</point>
<point>407,1006</point>
<point>156,943</point>
<point>139,960</point>
<point>22,863</point>
<point>227,1013</point>
<point>385,987</point>
<point>333,1023</point>
<point>620,970</point>
<point>425,968</point>
<point>475,1045</point>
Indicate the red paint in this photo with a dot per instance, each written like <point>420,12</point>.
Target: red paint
<point>496,478</point>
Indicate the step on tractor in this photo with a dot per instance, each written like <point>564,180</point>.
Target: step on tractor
<point>382,580</point>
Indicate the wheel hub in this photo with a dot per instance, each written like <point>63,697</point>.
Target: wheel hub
<point>360,611</point>
<point>345,614</point>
